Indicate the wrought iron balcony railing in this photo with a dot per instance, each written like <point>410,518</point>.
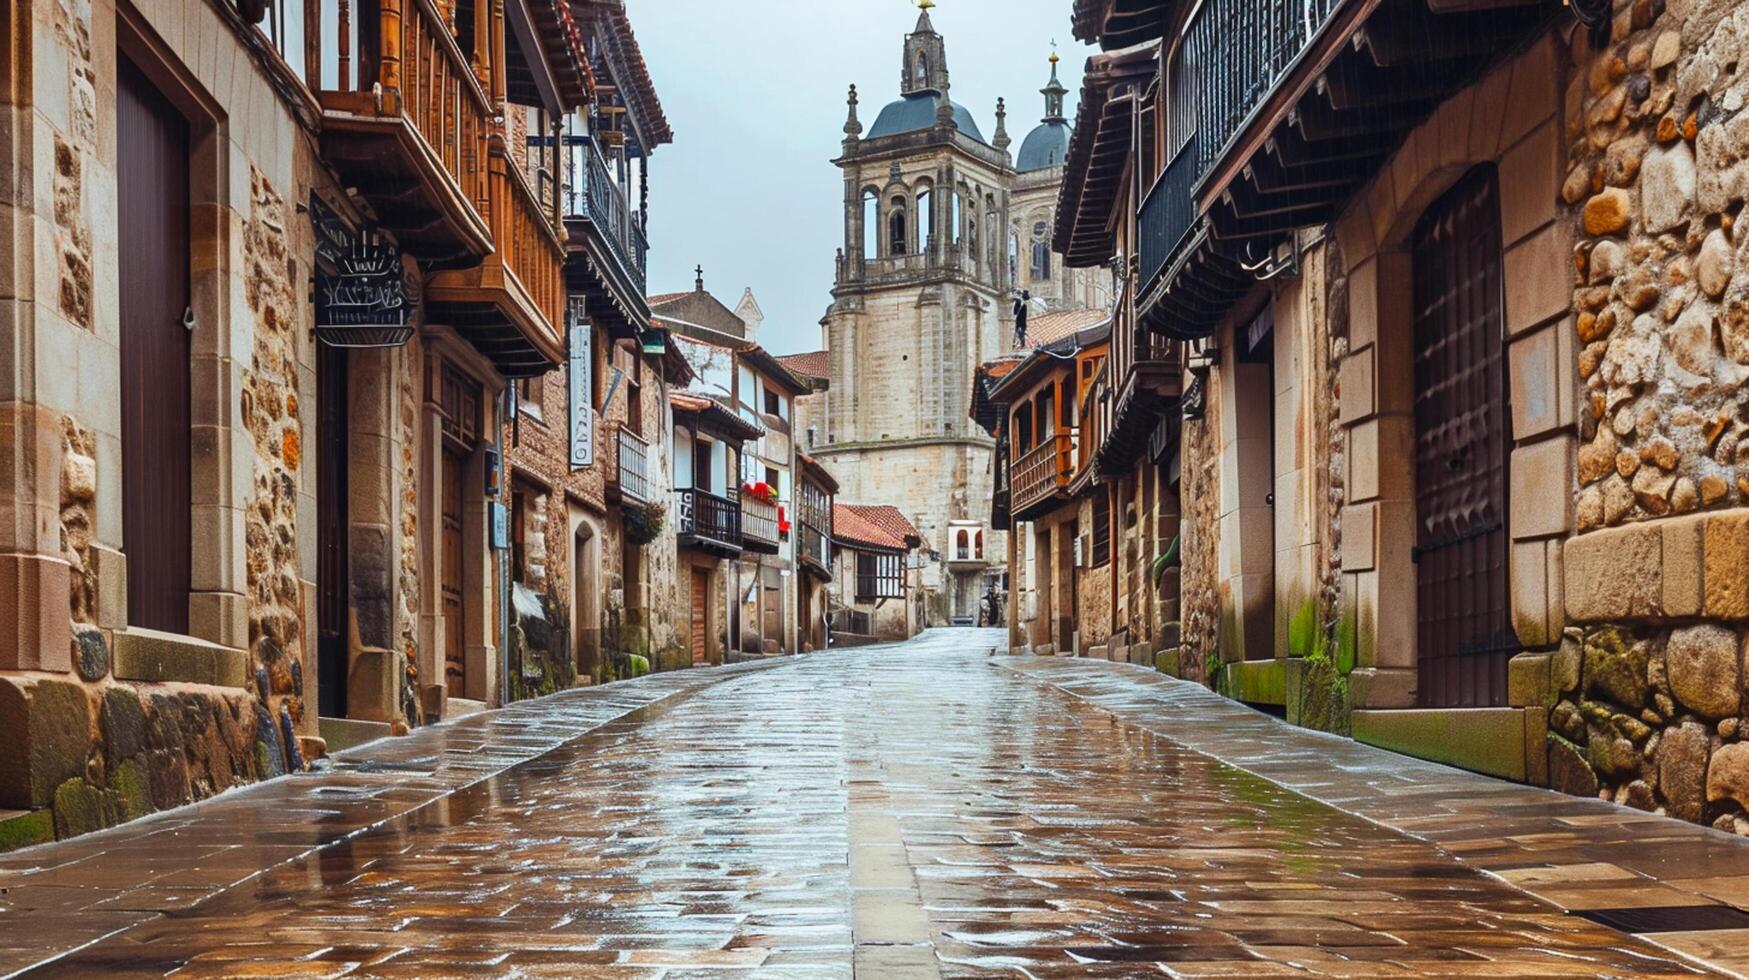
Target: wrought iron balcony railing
<point>591,193</point>
<point>1235,53</point>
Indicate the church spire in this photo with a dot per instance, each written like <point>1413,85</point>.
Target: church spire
<point>925,68</point>
<point>1053,93</point>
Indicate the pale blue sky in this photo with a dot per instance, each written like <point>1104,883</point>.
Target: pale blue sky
<point>755,92</point>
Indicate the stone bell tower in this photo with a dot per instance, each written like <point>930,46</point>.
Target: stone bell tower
<point>921,298</point>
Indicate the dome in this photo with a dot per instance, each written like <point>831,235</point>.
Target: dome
<point>1046,146</point>
<point>915,113</point>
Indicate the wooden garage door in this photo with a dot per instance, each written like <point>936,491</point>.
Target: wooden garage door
<point>701,585</point>
<point>1465,635</point>
<point>152,168</point>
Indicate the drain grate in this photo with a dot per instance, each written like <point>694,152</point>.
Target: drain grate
<point>1670,918</point>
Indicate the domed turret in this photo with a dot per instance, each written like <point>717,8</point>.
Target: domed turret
<point>1048,144</point>
<point>923,87</point>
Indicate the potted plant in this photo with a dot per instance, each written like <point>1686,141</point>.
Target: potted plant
<point>643,522</point>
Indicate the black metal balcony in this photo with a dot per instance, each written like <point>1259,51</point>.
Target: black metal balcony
<point>1295,104</point>
<point>708,522</point>
<point>609,250</point>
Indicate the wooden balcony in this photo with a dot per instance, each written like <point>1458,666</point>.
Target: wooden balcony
<point>1042,475</point>
<point>406,121</point>
<point>758,525</point>
<point>629,476</point>
<point>512,304</point>
<point>707,522</point>
<point>814,548</point>
<point>1150,380</point>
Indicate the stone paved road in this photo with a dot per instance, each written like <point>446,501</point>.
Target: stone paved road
<point>890,812</point>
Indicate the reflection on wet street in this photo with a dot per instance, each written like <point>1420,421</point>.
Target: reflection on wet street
<point>895,812</point>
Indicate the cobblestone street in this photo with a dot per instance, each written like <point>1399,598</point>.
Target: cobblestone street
<point>912,810</point>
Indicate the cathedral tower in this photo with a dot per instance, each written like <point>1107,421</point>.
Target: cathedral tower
<point>921,299</point>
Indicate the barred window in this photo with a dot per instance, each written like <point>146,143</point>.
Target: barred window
<point>1101,526</point>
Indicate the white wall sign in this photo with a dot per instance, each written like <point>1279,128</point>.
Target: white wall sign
<point>582,413</point>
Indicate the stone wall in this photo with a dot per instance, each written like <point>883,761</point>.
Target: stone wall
<point>1648,685</point>
<point>106,723</point>
<point>1198,656</point>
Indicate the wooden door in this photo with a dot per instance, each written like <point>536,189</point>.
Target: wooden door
<point>455,621</point>
<point>333,525</point>
<point>771,610</point>
<point>701,586</point>
<point>152,199</point>
<point>1464,628</point>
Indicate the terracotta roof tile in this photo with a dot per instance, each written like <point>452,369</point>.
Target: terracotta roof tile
<point>813,364</point>
<point>876,525</point>
<point>1051,327</point>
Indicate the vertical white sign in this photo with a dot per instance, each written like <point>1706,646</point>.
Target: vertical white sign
<point>582,413</point>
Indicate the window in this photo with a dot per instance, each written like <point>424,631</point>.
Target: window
<point>1041,252</point>
<point>773,403</point>
<point>980,545</point>
<point>771,479</point>
<point>529,392</point>
<point>1101,526</point>
<point>956,218</point>
<point>922,76</point>
<point>871,224</point>
<point>284,28</point>
<point>925,218</point>
<point>896,236</point>
<point>1013,256</point>
<point>879,575</point>
<point>963,545</point>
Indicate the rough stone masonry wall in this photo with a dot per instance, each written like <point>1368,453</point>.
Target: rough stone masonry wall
<point>1199,494</point>
<point>85,748</point>
<point>1648,684</point>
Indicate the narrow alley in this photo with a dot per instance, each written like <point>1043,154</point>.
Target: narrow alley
<point>920,809</point>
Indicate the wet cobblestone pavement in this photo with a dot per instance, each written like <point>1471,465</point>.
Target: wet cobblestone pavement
<point>919,810</point>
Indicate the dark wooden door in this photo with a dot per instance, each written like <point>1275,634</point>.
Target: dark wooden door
<point>701,586</point>
<point>455,622</point>
<point>1464,628</point>
<point>152,171</point>
<point>771,609</point>
<point>333,525</point>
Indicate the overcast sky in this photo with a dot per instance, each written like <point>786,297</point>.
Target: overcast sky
<point>755,93</point>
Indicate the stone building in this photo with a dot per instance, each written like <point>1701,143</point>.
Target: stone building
<point>740,486</point>
<point>267,288</point>
<point>1458,428</point>
<point>943,231</point>
<point>588,448</point>
<point>874,590</point>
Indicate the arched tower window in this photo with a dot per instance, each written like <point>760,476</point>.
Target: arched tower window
<point>965,544</point>
<point>925,217</point>
<point>980,545</point>
<point>922,75</point>
<point>897,240</point>
<point>871,224</point>
<point>1013,257</point>
<point>954,220</point>
<point>1041,252</point>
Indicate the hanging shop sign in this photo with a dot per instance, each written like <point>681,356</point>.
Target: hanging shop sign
<point>582,364</point>
<point>362,298</point>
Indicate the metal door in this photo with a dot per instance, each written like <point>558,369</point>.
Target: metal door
<point>152,168</point>
<point>1464,631</point>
